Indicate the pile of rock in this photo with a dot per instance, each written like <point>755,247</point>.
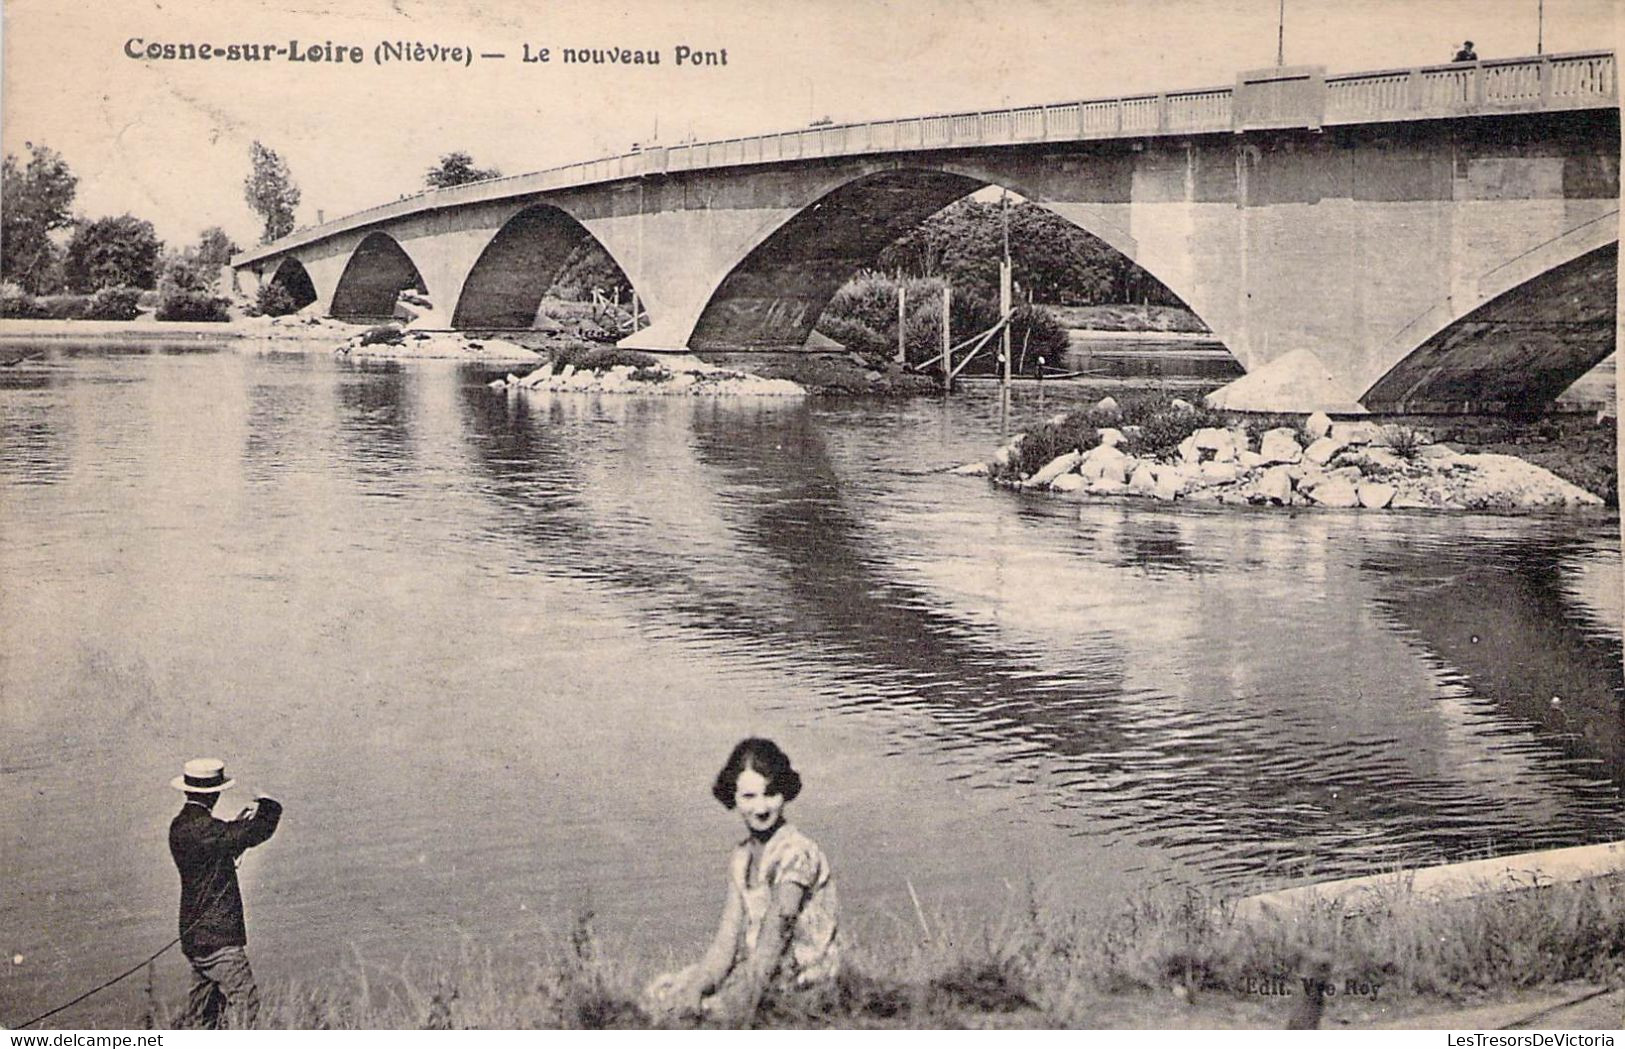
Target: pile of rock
<point>397,343</point>
<point>677,377</point>
<point>1344,465</point>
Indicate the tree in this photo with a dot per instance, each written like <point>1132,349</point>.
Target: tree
<point>34,200</point>
<point>215,248</point>
<point>116,251</point>
<point>270,191</point>
<point>455,169</point>
<point>1054,260</point>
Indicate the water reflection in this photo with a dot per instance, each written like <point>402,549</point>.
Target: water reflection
<point>450,618</point>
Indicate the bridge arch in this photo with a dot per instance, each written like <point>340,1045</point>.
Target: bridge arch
<point>523,260</point>
<point>379,269</point>
<point>292,277</point>
<point>1514,348</point>
<point>789,272</point>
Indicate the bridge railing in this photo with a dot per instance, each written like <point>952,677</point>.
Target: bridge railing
<point>1578,79</point>
<point>1582,79</point>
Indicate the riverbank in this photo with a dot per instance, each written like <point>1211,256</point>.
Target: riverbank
<point>1168,449</point>
<point>1164,961</point>
<point>1162,320</point>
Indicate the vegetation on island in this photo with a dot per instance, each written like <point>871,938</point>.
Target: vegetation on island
<point>1153,427</point>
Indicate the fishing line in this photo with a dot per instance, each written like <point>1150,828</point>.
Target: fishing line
<point>138,966</point>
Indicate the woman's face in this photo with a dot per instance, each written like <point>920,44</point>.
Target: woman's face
<point>760,810</point>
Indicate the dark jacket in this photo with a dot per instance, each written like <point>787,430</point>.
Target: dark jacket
<point>205,851</point>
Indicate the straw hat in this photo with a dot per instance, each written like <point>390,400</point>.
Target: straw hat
<point>203,776</point>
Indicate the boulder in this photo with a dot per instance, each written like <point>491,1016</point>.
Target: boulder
<point>1107,404</point>
<point>1220,442</point>
<point>1002,456</point>
<point>1375,458</point>
<point>1347,473</point>
<point>1105,463</point>
<point>1110,437</point>
<point>567,371</point>
<point>537,377</point>
<point>1306,476</point>
<point>1064,463</point>
<point>1375,496</point>
<point>1439,452</point>
<point>1321,451</point>
<point>1067,483</point>
<point>1167,489</point>
<point>497,384</point>
<point>1280,445</point>
<point>1220,472</point>
<point>1276,485</point>
<point>1318,425</point>
<point>1250,460</point>
<point>971,470</point>
<point>1144,479</point>
<point>1106,486</point>
<point>1188,452</point>
<point>1179,404</point>
<point>1357,433</point>
<point>1335,491</point>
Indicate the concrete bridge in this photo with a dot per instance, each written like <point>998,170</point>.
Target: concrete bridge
<point>1439,238</point>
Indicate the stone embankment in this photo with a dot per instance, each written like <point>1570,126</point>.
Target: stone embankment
<point>678,376</point>
<point>1326,464</point>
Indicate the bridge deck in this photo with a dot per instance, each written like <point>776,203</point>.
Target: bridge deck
<point>1297,97</point>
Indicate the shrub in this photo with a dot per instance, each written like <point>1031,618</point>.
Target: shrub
<point>273,300</point>
<point>383,334</point>
<point>67,307</point>
<point>1404,441</point>
<point>598,358</point>
<point>1036,330</point>
<point>179,305</point>
<point>15,302</point>
<point>1164,429</point>
<point>120,303</point>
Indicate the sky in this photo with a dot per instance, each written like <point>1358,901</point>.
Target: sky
<point>169,140</point>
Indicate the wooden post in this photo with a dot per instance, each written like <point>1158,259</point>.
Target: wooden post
<point>947,339</point>
<point>1004,311</point>
<point>902,322</point>
<point>636,309</point>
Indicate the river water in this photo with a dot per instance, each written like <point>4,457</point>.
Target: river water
<point>490,648</point>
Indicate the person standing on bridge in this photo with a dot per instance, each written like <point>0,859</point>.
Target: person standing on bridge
<point>1466,54</point>
<point>213,936</point>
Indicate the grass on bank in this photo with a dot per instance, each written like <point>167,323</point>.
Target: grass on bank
<point>1167,957</point>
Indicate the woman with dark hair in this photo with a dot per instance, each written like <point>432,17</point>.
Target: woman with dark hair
<point>777,934</point>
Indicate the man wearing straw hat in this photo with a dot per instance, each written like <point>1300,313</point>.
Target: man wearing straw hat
<point>212,933</point>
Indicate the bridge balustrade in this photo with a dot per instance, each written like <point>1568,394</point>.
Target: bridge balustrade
<point>1583,76</point>
<point>1199,111</point>
<point>1100,119</point>
<point>1028,123</point>
<point>1566,81</point>
<point>1063,122</point>
<point>1139,114</point>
